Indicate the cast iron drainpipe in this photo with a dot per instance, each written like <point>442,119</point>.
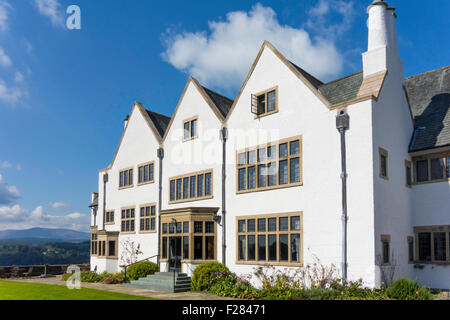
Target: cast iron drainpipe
<point>343,124</point>
<point>224,137</point>
<point>105,181</point>
<point>160,155</point>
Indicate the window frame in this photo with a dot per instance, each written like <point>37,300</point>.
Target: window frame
<point>385,238</point>
<point>103,244</point>
<point>411,255</point>
<point>191,218</point>
<point>127,186</point>
<point>408,168</point>
<point>190,121</point>
<point>188,176</point>
<point>266,93</point>
<point>383,153</point>
<point>150,205</point>
<point>432,229</point>
<point>128,219</point>
<point>108,215</point>
<point>94,242</point>
<point>268,233</point>
<point>150,164</point>
<point>429,157</point>
<point>266,162</point>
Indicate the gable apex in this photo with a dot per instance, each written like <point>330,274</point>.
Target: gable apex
<point>310,81</point>
<point>219,104</point>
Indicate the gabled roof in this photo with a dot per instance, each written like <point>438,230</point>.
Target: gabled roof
<point>429,101</point>
<point>311,82</point>
<point>314,81</point>
<point>342,90</point>
<point>161,122</point>
<point>222,103</point>
<point>219,104</point>
<point>156,122</point>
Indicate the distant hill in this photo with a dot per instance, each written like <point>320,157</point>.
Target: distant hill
<point>41,235</point>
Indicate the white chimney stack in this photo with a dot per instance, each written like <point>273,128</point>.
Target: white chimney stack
<point>382,53</point>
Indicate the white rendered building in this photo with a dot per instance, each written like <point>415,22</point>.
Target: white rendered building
<point>259,181</point>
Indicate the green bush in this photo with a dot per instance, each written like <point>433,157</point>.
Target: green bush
<point>66,276</point>
<point>141,270</point>
<point>85,276</point>
<point>204,274</point>
<point>92,277</point>
<point>404,289</point>
<point>227,284</point>
<point>88,276</point>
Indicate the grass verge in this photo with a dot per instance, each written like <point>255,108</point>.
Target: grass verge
<point>10,290</point>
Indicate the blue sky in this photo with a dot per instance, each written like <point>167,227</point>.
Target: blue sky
<point>64,93</point>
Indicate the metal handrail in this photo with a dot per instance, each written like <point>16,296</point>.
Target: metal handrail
<point>127,266</point>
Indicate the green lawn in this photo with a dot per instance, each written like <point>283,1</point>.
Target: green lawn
<point>10,290</point>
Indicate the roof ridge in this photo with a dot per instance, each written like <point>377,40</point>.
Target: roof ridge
<point>217,93</point>
<point>308,73</point>
<point>156,113</point>
<point>421,74</point>
<point>339,79</point>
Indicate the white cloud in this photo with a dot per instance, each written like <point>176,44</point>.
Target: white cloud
<point>5,165</point>
<point>224,55</point>
<point>59,205</point>
<point>17,217</point>
<point>75,221</point>
<point>51,9</point>
<point>10,94</point>
<point>12,214</point>
<point>5,60</point>
<point>5,7</point>
<point>319,17</point>
<point>19,77</point>
<point>8,194</point>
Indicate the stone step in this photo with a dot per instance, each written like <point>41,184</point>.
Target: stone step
<point>163,281</point>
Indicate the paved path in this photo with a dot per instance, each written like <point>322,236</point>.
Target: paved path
<point>132,291</point>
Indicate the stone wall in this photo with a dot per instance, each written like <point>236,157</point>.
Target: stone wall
<point>35,271</point>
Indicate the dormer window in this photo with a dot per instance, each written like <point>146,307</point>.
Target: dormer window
<point>265,103</point>
<point>190,129</point>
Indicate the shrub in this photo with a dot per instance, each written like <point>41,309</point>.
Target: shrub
<point>66,276</point>
<point>88,276</point>
<point>404,289</point>
<point>141,270</point>
<point>227,284</point>
<point>204,274</point>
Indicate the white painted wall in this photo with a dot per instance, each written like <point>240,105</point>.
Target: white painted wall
<point>302,113</point>
<point>392,131</point>
<point>196,155</point>
<point>139,145</point>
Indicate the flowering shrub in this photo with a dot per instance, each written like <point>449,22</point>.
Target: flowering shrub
<point>227,284</point>
<point>92,277</point>
<point>204,273</point>
<point>404,289</point>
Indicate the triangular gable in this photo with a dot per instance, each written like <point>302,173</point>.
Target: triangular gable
<point>150,124</point>
<point>308,81</point>
<point>205,96</point>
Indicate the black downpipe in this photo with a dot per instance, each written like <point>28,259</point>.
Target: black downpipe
<point>224,137</point>
<point>160,155</point>
<point>105,181</point>
<point>343,124</point>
